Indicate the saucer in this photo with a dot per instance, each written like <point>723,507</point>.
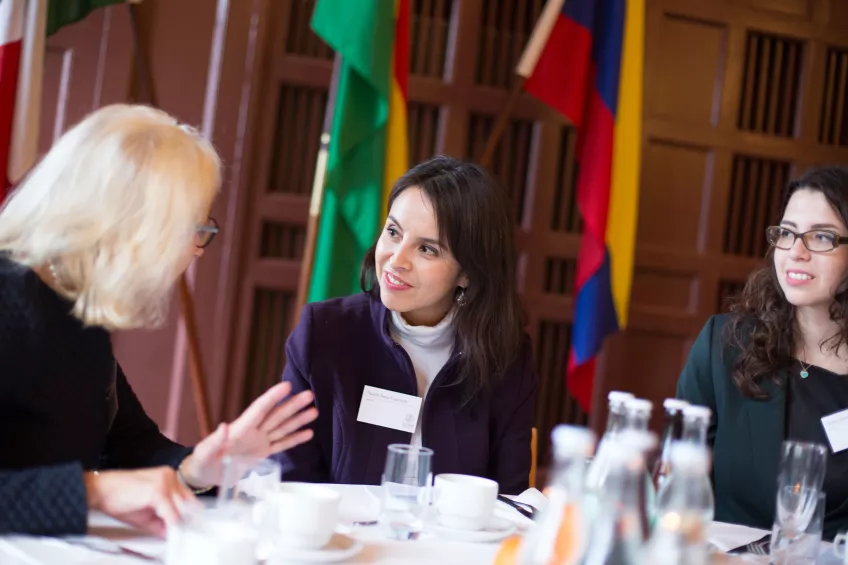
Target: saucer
<point>496,530</point>
<point>339,548</point>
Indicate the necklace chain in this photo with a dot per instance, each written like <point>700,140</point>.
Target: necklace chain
<point>805,371</point>
<point>55,276</point>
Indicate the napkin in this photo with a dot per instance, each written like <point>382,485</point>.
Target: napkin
<point>360,503</point>
<point>531,496</point>
<point>730,536</point>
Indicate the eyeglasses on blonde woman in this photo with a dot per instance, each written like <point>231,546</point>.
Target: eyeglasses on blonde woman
<point>93,240</point>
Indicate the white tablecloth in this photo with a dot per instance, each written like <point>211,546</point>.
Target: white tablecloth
<point>359,503</point>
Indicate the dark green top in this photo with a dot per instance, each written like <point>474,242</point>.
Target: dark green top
<point>746,434</point>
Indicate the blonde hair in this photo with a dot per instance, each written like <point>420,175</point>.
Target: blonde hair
<point>114,207</point>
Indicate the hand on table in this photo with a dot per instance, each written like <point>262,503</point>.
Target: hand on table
<point>149,499</point>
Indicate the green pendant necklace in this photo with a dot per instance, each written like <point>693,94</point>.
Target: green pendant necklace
<point>804,370</point>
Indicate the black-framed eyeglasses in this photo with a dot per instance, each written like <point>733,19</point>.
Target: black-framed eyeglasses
<point>817,241</point>
<point>206,233</point>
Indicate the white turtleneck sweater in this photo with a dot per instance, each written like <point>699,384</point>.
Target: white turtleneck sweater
<point>429,349</point>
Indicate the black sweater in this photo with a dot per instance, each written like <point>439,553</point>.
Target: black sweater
<point>65,407</point>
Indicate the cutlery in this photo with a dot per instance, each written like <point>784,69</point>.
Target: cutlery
<point>526,510</point>
<point>758,547</point>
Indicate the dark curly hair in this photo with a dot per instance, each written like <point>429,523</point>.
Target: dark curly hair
<point>762,326</point>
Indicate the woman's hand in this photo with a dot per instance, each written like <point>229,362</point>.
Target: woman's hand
<point>263,429</point>
<point>149,499</point>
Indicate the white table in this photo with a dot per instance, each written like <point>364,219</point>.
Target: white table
<point>359,503</point>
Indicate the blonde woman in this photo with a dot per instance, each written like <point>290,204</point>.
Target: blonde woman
<point>92,241</point>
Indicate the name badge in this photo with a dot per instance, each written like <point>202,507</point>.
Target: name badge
<point>836,428</point>
<point>389,409</point>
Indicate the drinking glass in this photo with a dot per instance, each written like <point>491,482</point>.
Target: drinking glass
<point>222,535</point>
<point>245,482</point>
<point>406,490</point>
<point>799,482</point>
<point>804,548</point>
<point>247,478</point>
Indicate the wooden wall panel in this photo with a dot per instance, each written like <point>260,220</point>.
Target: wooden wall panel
<point>512,158</point>
<point>801,9</point>
<point>506,26</point>
<point>833,127</point>
<point>423,122</point>
<point>270,315</point>
<point>86,65</point>
<point>299,109</point>
<point>770,90</point>
<point>655,288</point>
<point>300,40</point>
<point>643,360</point>
<point>429,29</point>
<point>756,187</point>
<point>672,194</point>
<point>554,404</point>
<point>837,15</point>
<point>687,79</point>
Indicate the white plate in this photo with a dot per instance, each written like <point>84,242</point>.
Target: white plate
<point>496,530</point>
<point>340,548</point>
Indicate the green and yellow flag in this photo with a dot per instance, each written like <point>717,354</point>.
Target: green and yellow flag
<point>367,151</point>
<point>65,12</point>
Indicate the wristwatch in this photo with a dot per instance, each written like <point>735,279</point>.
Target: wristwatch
<point>183,480</point>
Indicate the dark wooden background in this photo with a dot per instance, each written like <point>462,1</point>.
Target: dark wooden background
<point>740,95</point>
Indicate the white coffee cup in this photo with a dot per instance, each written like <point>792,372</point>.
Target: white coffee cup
<point>465,502</point>
<point>839,544</point>
<point>304,515</point>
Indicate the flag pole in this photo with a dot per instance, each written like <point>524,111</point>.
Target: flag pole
<point>23,138</point>
<point>523,70</point>
<point>502,121</point>
<point>196,372</point>
<point>317,198</point>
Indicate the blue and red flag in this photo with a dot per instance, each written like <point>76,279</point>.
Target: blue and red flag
<point>585,60</point>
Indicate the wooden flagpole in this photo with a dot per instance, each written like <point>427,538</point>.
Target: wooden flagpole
<point>523,70</point>
<point>317,198</point>
<point>196,372</point>
<point>23,138</point>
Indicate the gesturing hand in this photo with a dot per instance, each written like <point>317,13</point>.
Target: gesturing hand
<point>261,430</point>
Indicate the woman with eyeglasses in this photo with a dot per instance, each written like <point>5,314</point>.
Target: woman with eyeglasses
<point>93,241</point>
<point>778,363</point>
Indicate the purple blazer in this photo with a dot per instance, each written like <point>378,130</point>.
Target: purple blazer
<point>343,344</point>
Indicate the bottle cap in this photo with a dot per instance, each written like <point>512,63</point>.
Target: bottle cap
<point>639,405</point>
<point>674,404</point>
<point>694,411</point>
<point>617,397</point>
<point>572,441</point>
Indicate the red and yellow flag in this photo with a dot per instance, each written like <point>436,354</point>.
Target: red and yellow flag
<point>397,154</point>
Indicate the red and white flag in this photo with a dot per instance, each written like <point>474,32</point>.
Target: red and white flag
<point>22,43</point>
<point>12,15</point>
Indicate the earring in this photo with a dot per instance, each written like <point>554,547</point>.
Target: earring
<point>460,299</point>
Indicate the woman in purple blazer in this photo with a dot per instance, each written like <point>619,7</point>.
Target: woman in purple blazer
<point>439,318</point>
